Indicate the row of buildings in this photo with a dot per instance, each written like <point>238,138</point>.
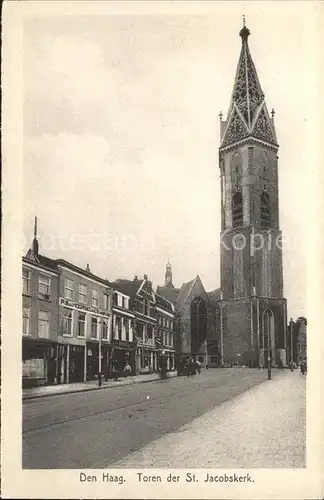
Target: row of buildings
<point>76,324</point>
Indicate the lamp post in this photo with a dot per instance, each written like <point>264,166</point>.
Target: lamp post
<point>291,345</point>
<point>269,356</point>
<point>99,360</point>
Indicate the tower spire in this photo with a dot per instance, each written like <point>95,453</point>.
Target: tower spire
<point>248,114</point>
<point>168,275</point>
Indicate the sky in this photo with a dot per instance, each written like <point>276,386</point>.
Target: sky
<point>121,137</point>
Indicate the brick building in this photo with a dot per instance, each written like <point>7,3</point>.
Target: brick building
<point>123,341</point>
<point>84,338</point>
<point>39,317</point>
<point>254,310</point>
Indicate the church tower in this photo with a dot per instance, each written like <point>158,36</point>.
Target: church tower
<point>252,303</point>
<point>168,275</point>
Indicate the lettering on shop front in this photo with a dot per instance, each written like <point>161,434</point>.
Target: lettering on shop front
<point>82,307</point>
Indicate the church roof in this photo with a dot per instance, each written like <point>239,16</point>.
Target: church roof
<point>214,296</point>
<point>247,115</point>
<point>184,292</point>
<point>169,293</point>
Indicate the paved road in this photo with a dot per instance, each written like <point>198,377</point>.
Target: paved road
<point>97,428</point>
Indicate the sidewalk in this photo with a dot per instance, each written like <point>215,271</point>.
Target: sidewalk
<point>264,427</point>
<point>92,385</point>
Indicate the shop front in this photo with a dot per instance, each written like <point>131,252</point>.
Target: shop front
<point>148,359</point>
<point>70,363</point>
<point>92,360</point>
<point>123,352</point>
<point>38,363</point>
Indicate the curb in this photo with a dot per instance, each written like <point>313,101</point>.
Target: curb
<point>96,388</point>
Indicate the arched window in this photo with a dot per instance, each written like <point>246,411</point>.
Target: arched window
<point>236,171</point>
<point>265,210</point>
<point>237,209</point>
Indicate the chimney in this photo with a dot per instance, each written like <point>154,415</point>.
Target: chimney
<point>145,276</point>
<point>135,278</point>
<point>88,269</point>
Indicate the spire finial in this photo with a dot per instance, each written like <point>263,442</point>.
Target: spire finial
<point>244,33</point>
<point>272,113</point>
<point>220,116</point>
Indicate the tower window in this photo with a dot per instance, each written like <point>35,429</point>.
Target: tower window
<point>237,209</point>
<point>265,210</point>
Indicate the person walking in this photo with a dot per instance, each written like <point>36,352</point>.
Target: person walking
<point>198,366</point>
<point>127,370</point>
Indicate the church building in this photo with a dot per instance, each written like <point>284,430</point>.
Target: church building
<point>253,310</point>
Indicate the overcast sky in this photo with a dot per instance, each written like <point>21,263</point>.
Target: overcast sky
<point>121,137</point>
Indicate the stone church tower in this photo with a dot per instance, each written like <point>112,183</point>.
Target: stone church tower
<point>253,310</point>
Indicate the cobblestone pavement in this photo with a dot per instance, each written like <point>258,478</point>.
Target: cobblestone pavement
<point>262,428</point>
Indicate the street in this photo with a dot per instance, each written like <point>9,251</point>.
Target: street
<point>97,429</point>
<point>94,429</point>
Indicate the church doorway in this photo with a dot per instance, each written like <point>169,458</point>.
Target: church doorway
<point>198,321</point>
<point>268,337</point>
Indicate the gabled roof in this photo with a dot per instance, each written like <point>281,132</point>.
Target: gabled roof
<point>247,114</point>
<point>41,260</point>
<point>164,303</point>
<point>170,294</point>
<point>184,293</point>
<point>127,287</point>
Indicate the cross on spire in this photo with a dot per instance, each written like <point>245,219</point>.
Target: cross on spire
<point>243,21</point>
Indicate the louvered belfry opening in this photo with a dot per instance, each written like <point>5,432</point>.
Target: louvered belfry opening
<point>265,211</point>
<point>237,209</point>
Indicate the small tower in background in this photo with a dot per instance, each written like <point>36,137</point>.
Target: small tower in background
<point>168,275</point>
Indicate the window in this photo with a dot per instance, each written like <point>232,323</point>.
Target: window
<point>126,303</point>
<point>44,287</point>
<point>68,289</point>
<point>115,299</point>
<point>26,282</point>
<point>67,322</point>
<point>26,320</point>
<point>43,324</point>
<point>237,209</point>
<point>106,302</point>
<point>105,329</point>
<point>81,324</point>
<point>83,294</point>
<point>94,327</point>
<point>265,210</point>
<point>145,308</point>
<point>126,322</point>
<point>95,298</point>
<point>118,328</point>
<point>123,301</point>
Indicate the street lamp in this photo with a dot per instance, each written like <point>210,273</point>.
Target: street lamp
<point>99,360</point>
<point>291,345</point>
<point>269,359</point>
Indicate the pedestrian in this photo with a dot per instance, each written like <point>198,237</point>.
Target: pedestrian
<point>127,370</point>
<point>198,366</point>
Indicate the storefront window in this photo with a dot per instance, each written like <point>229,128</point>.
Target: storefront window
<point>94,327</point>
<point>82,294</point>
<point>81,324</point>
<point>43,324</point>
<point>26,281</point>
<point>68,289</point>
<point>26,320</point>
<point>67,322</point>
<point>44,287</point>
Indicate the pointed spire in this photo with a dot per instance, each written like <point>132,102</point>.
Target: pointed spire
<point>35,246</point>
<point>247,101</point>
